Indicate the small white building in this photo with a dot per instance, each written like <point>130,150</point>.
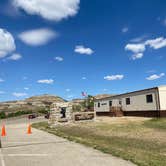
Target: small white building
<point>148,103</point>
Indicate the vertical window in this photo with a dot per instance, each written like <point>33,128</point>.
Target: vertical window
<point>110,103</point>
<point>127,101</point>
<point>120,102</point>
<point>149,98</point>
<point>98,104</point>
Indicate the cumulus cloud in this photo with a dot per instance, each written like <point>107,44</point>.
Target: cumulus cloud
<point>37,37</point>
<point>15,57</point>
<point>19,94</point>
<point>136,48</point>
<point>156,43</point>
<point>155,76</point>
<point>83,50</point>
<point>137,56</point>
<point>46,81</point>
<point>139,48</point>
<point>26,88</point>
<point>54,10</point>
<point>7,43</point>
<point>114,77</point>
<point>58,58</point>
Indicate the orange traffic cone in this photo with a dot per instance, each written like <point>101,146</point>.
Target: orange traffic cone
<point>3,132</point>
<point>29,129</point>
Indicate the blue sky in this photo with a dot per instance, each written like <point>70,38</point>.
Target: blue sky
<point>64,47</point>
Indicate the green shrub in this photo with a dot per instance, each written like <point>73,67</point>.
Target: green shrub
<point>2,115</point>
<point>43,111</point>
<point>18,113</point>
<point>76,108</point>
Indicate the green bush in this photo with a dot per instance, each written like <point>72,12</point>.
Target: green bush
<point>76,108</point>
<point>2,115</point>
<point>44,111</point>
<point>89,102</point>
<point>18,113</point>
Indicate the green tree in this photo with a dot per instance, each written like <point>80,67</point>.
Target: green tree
<point>89,102</point>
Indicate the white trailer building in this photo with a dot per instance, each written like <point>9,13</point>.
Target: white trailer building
<point>148,103</point>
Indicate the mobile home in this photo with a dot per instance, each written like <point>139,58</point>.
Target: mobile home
<point>148,103</point>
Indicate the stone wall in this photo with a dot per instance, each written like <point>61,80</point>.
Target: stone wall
<point>56,115</point>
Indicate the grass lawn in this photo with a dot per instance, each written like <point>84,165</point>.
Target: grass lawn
<point>142,141</point>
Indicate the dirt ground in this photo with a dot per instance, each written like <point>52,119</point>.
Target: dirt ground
<point>120,120</point>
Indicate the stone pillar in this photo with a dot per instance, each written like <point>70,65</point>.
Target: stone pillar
<point>56,116</point>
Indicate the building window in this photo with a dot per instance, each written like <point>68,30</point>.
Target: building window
<point>149,98</point>
<point>104,104</point>
<point>120,102</point>
<point>98,104</point>
<point>127,101</point>
<point>110,103</point>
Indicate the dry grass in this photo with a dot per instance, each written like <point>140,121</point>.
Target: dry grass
<point>139,140</point>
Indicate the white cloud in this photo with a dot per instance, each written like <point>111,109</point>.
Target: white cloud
<point>125,29</point>
<point>84,78</point>
<point>137,56</point>
<point>58,58</point>
<point>1,80</point>
<point>138,39</point>
<point>15,57</point>
<point>155,76</point>
<point>68,90</point>
<point>46,81</point>
<point>139,48</point>
<point>26,88</point>
<point>54,10</point>
<point>83,50</point>
<point>156,43</point>
<point>19,94</point>
<point>7,43</point>
<point>114,77</point>
<point>136,48</point>
<point>37,37</point>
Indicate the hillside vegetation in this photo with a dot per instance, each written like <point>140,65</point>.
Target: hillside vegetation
<point>32,104</point>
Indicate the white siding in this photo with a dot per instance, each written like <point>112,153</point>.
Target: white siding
<point>104,106</point>
<point>137,101</point>
<point>162,96</point>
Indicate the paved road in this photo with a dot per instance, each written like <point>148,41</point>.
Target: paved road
<point>43,149</point>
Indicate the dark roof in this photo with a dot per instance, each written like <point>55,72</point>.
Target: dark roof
<point>127,93</point>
